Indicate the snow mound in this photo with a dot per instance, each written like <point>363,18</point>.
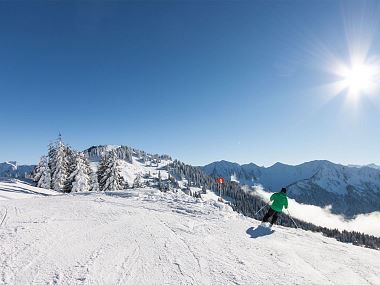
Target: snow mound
<point>14,189</point>
<point>144,236</point>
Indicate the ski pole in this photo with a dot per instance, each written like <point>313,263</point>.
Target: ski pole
<point>290,216</point>
<point>260,209</point>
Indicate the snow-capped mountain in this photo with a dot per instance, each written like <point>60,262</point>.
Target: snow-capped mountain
<point>371,165</point>
<point>349,190</point>
<point>13,170</point>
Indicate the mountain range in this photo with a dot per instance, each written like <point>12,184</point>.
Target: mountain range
<point>11,169</point>
<point>348,190</point>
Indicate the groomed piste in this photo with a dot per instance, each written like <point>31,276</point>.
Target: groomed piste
<point>144,236</point>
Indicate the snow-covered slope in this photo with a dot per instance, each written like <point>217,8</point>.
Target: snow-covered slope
<point>133,163</point>
<point>14,189</point>
<point>349,190</point>
<point>144,236</point>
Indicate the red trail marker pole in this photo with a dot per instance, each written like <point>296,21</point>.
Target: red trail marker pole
<point>220,181</point>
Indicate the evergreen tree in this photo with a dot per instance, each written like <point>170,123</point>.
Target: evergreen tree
<point>102,168</point>
<point>137,181</point>
<point>109,174</point>
<point>42,174</point>
<point>159,180</point>
<point>71,166</point>
<point>94,181</point>
<point>79,179</point>
<point>59,164</point>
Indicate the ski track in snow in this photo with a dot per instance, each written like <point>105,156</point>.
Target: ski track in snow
<point>4,216</point>
<point>148,237</point>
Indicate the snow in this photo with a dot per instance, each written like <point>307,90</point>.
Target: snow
<point>12,164</point>
<point>14,189</point>
<point>371,165</point>
<point>129,171</point>
<point>210,196</point>
<point>110,147</point>
<point>144,236</point>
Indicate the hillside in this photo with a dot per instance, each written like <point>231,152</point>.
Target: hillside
<point>144,236</point>
<point>133,163</point>
<point>349,190</point>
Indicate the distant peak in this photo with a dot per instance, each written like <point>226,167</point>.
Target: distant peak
<point>13,163</point>
<point>278,164</point>
<point>226,161</point>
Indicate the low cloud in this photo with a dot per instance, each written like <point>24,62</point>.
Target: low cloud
<point>364,223</point>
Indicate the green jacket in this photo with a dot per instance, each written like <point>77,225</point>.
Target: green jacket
<point>280,200</point>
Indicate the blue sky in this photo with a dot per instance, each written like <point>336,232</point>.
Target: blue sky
<point>200,80</point>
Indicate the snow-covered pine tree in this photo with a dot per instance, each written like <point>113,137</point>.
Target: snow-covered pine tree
<point>93,175</point>
<point>94,182</point>
<point>124,153</point>
<point>71,166</point>
<point>37,172</point>
<point>51,161</point>
<point>137,181</point>
<point>159,180</point>
<point>42,174</point>
<point>102,168</point>
<point>109,174</point>
<point>58,160</point>
<point>79,179</point>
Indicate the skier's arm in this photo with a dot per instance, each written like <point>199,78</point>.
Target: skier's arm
<point>272,197</point>
<point>286,203</point>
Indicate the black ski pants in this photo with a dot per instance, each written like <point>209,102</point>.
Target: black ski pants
<point>271,213</point>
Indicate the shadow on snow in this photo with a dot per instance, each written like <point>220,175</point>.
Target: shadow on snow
<point>259,231</point>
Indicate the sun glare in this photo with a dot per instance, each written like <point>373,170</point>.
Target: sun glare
<point>356,70</point>
<point>359,79</point>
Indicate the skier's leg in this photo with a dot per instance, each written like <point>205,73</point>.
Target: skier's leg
<point>274,217</point>
<point>268,215</point>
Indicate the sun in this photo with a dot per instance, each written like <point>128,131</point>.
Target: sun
<point>359,78</point>
<point>355,70</point>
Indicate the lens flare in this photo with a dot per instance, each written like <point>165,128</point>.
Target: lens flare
<point>359,78</point>
<point>355,68</point>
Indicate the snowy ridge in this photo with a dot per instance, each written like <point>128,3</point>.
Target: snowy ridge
<point>144,236</point>
<point>371,165</point>
<point>333,177</point>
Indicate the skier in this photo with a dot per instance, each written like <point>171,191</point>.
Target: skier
<point>280,200</point>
